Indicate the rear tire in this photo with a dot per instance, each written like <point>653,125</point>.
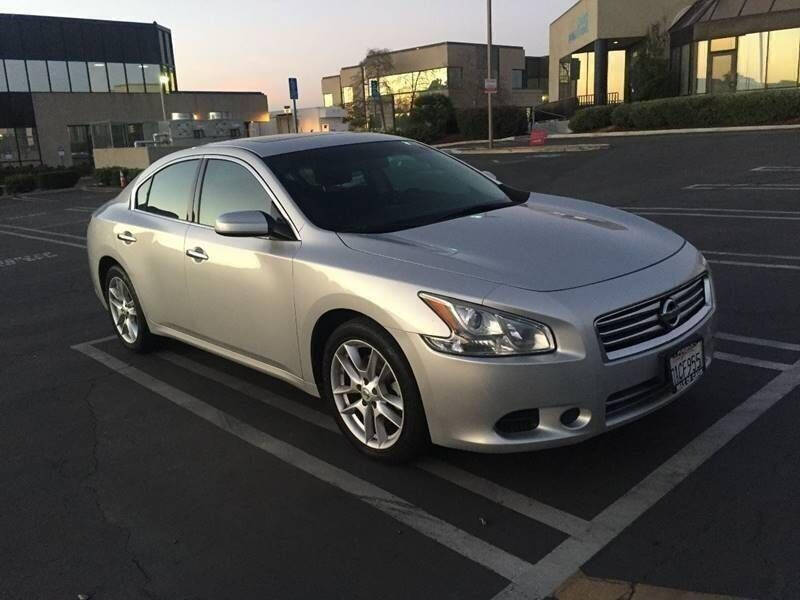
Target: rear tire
<point>126,313</point>
<point>372,391</point>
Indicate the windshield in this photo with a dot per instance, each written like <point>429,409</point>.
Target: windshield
<point>378,187</point>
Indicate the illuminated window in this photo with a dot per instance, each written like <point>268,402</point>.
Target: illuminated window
<point>415,81</point>
<point>751,62</point>
<point>723,44</point>
<point>59,81</point>
<point>327,99</point>
<point>616,76</point>
<point>97,77</point>
<point>347,95</point>
<point>586,79</point>
<point>702,67</point>
<point>784,46</point>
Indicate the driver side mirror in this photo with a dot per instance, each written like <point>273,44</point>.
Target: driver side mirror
<point>491,176</point>
<point>245,223</point>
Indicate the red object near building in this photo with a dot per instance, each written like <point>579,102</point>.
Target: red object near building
<point>538,137</point>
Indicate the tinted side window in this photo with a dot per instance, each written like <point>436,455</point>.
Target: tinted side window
<point>228,187</point>
<point>169,191</point>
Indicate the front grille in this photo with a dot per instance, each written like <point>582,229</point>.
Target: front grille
<point>640,323</point>
<point>627,400</point>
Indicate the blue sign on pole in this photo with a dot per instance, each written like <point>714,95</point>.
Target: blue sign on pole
<point>374,88</point>
<point>293,88</point>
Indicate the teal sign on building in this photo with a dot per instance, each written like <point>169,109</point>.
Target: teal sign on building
<point>581,27</point>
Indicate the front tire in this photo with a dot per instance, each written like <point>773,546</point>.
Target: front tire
<point>126,313</point>
<point>372,391</point>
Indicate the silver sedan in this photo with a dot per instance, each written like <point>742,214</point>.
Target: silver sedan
<point>422,300</point>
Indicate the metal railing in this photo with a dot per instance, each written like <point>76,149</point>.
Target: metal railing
<point>588,100</point>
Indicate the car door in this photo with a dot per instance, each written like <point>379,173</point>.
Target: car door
<point>151,242</point>
<point>240,289</point>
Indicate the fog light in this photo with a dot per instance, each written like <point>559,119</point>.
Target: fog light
<point>521,421</point>
<point>569,417</point>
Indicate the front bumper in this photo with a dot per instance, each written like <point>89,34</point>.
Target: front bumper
<point>464,398</point>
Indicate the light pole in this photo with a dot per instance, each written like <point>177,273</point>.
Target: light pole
<point>489,67</point>
<point>164,80</point>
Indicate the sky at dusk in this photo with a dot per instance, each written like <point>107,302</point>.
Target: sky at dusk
<point>250,45</point>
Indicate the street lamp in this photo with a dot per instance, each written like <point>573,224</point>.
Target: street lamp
<point>164,80</point>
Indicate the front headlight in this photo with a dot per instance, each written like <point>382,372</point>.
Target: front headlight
<point>479,331</point>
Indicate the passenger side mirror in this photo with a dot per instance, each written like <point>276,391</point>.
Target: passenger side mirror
<point>245,223</point>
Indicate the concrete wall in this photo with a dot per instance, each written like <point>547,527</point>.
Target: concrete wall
<point>333,85</point>
<point>569,33</point>
<point>132,158</point>
<point>55,111</point>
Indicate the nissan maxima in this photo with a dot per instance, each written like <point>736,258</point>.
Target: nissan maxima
<point>421,299</point>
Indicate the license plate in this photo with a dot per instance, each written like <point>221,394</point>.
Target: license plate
<point>686,366</point>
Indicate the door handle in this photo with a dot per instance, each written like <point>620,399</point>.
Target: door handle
<point>127,237</point>
<point>197,254</point>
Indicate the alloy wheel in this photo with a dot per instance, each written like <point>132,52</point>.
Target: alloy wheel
<point>367,394</point>
<point>123,309</point>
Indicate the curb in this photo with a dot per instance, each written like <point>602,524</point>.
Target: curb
<point>743,129</point>
<point>555,149</point>
<point>465,142</point>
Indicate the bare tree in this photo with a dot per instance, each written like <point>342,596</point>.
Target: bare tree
<point>376,65</point>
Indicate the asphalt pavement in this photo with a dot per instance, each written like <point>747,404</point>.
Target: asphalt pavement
<point>180,475</point>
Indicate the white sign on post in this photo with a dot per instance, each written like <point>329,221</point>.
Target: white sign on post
<point>490,86</point>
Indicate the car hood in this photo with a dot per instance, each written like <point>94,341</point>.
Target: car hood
<point>548,243</point>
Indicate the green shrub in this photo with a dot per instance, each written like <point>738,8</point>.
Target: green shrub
<point>508,121</point>
<point>592,118</point>
<point>431,118</point>
<point>54,180</point>
<point>18,184</point>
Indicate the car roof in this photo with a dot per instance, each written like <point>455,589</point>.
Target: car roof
<point>270,145</point>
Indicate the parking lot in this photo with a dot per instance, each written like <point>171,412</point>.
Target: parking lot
<point>180,475</point>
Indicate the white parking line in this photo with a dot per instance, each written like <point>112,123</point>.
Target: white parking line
<point>751,362</point>
<point>747,255</point>
<point>532,509</point>
<point>550,572</point>
<point>44,239</point>
<point>81,210</point>
<point>707,209</point>
<point>45,231</point>
<point>19,217</point>
<point>754,341</point>
<point>737,263</point>
<point>751,187</point>
<point>718,215</point>
<point>770,169</point>
<point>499,561</point>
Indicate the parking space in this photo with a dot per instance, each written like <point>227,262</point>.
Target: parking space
<point>179,474</point>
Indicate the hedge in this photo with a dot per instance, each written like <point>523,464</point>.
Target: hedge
<point>592,118</point>
<point>54,180</point>
<point>708,110</point>
<point>508,121</point>
<point>18,184</point>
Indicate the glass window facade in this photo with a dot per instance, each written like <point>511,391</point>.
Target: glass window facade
<point>617,68</point>
<point>517,79</point>
<point>78,76</point>
<point>116,77</point>
<point>152,81</point>
<point>59,80</point>
<point>784,51</point>
<point>37,76</point>
<point>586,79</point>
<point>415,81</point>
<point>135,78</point>
<point>327,99</point>
<point>97,77</point>
<point>19,146</point>
<point>751,62</point>
<point>3,86</point>
<point>754,61</point>
<point>16,75</point>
